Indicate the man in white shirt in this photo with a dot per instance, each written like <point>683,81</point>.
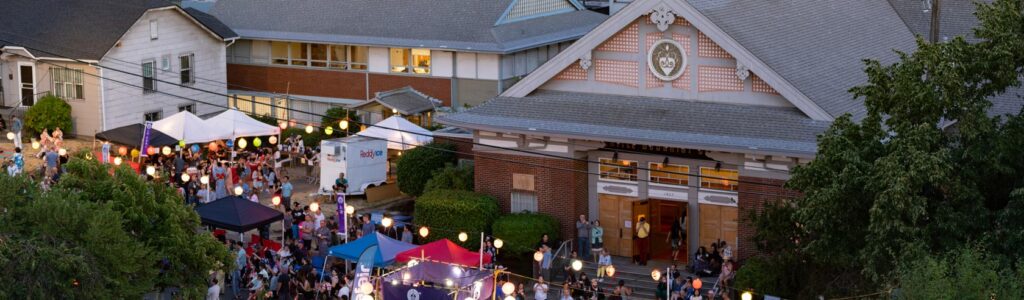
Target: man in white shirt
<point>213,293</point>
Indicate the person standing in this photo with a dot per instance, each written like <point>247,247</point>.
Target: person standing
<point>596,238</point>
<point>105,152</point>
<point>16,128</point>
<point>308,232</point>
<point>323,238</point>
<point>220,175</point>
<point>297,217</point>
<point>367,227</point>
<point>540,289</point>
<point>407,234</point>
<point>213,292</point>
<point>583,236</point>
<point>286,191</point>
<point>676,236</point>
<point>240,262</point>
<point>643,241</point>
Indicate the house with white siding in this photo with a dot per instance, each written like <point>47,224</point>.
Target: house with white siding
<point>116,62</point>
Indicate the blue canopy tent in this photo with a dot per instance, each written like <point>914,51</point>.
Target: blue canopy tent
<point>387,249</point>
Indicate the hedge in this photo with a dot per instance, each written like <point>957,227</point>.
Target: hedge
<point>451,178</point>
<point>521,231</point>
<point>448,212</point>
<point>49,112</point>
<point>418,165</point>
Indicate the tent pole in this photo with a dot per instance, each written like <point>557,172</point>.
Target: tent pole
<point>481,251</point>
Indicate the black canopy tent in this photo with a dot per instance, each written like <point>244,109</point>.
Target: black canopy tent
<point>237,214</point>
<point>132,135</point>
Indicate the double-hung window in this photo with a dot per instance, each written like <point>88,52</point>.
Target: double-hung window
<point>149,76</point>
<point>188,75</point>
<point>719,179</point>
<point>67,83</point>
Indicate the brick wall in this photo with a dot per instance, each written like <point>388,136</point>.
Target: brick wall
<point>560,193</point>
<point>464,146</point>
<point>440,88</point>
<point>298,81</point>
<point>752,197</point>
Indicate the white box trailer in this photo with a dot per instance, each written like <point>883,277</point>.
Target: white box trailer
<point>363,160</point>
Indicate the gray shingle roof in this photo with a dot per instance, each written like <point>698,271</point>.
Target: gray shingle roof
<point>406,100</point>
<point>212,23</point>
<point>81,29</point>
<point>454,24</point>
<point>77,29</point>
<point>957,17</point>
<point>818,46</point>
<point>653,121</point>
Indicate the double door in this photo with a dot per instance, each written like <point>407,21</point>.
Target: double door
<point>718,223</point>
<point>616,216</point>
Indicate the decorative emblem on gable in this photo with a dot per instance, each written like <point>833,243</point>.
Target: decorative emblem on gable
<point>666,59</point>
<point>585,61</point>
<point>742,71</point>
<point>662,16</point>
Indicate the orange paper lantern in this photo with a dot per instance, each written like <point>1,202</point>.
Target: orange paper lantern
<point>151,150</point>
<point>122,150</point>
<point>697,283</point>
<point>212,146</point>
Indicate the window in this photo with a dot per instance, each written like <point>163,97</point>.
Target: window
<point>720,179</point>
<point>149,76</point>
<point>261,106</point>
<point>153,29</point>
<point>189,108</point>
<point>318,55</point>
<point>669,174</point>
<point>410,61</point>
<point>67,83</point>
<point>243,103</point>
<point>165,62</point>
<point>523,201</point>
<point>240,52</point>
<point>299,54</point>
<point>279,53</point>
<point>188,76</point>
<point>152,116</point>
<point>281,109</point>
<point>618,169</point>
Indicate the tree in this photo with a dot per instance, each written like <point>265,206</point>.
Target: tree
<point>900,183</point>
<point>49,112</point>
<point>334,115</point>
<point>417,166</point>
<point>449,212</point>
<point>451,178</point>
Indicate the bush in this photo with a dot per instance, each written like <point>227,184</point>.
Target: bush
<point>309,139</point>
<point>417,166</point>
<point>335,114</point>
<point>522,230</point>
<point>782,275</point>
<point>48,113</point>
<point>451,178</point>
<point>265,118</point>
<point>448,212</point>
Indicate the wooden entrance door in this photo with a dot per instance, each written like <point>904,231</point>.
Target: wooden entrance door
<point>27,78</point>
<point>614,213</point>
<point>718,223</point>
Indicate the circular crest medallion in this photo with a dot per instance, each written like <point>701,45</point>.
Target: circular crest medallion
<point>666,59</point>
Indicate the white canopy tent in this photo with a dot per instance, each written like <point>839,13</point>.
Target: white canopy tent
<point>399,132</point>
<point>238,124</point>
<point>186,126</point>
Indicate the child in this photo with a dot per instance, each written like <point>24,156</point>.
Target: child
<point>19,163</point>
<point>603,262</point>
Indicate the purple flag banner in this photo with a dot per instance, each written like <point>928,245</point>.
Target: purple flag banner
<point>145,139</point>
<point>343,224</point>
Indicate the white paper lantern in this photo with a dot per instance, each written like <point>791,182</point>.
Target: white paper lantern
<point>508,288</point>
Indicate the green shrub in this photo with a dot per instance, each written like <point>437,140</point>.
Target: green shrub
<point>335,114</point>
<point>417,166</point>
<point>265,118</point>
<point>783,275</point>
<point>448,212</point>
<point>48,113</point>
<point>309,139</point>
<point>521,231</point>
<point>451,178</point>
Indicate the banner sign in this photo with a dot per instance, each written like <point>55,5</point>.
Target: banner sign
<point>363,268</point>
<point>343,225</point>
<point>408,292</point>
<point>145,139</point>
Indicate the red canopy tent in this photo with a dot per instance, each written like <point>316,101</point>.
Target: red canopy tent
<point>443,251</point>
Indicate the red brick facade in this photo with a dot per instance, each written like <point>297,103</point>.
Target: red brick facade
<point>752,196</point>
<point>328,83</point>
<point>560,193</point>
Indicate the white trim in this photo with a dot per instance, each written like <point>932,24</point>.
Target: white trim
<point>682,9</point>
<point>634,190</point>
<point>668,194</point>
<point>35,85</point>
<point>171,7</point>
<point>701,195</point>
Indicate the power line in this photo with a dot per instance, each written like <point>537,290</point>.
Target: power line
<point>373,125</point>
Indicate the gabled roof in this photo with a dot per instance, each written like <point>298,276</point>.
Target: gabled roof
<point>648,120</point>
<point>811,52</point>
<point>81,29</point>
<point>405,100</point>
<point>212,23</point>
<point>452,24</point>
